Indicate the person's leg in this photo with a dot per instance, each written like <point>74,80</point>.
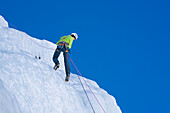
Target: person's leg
<point>66,62</point>
<point>55,57</point>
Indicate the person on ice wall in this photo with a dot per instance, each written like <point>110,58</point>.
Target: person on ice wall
<point>64,45</point>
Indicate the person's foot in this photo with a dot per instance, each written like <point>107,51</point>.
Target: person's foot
<point>56,66</point>
<point>67,78</point>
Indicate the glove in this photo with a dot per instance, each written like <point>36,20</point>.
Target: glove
<point>69,51</point>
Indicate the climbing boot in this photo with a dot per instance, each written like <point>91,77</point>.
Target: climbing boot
<point>67,78</point>
<point>56,66</point>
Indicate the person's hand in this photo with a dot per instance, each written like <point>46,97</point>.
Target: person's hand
<point>69,51</point>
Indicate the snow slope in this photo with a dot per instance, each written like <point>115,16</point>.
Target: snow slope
<point>30,85</point>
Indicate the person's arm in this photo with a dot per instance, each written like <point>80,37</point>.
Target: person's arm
<point>71,42</point>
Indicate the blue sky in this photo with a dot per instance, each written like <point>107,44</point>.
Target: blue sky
<point>123,45</point>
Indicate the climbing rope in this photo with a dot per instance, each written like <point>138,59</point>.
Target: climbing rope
<point>33,40</point>
<point>78,73</point>
<point>85,92</point>
<point>41,45</point>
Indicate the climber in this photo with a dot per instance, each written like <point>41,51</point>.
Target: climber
<point>64,45</point>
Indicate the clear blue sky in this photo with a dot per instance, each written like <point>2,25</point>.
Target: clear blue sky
<point>123,45</point>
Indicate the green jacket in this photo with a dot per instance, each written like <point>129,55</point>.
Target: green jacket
<point>69,39</point>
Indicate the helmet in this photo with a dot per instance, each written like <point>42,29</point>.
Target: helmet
<point>75,35</point>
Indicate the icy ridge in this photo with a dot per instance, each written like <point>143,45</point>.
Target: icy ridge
<point>32,86</point>
<point>3,22</point>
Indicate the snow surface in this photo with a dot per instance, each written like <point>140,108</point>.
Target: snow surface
<point>8,103</point>
<point>30,85</point>
<point>3,22</point>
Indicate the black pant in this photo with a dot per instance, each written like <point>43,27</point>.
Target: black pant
<point>65,54</point>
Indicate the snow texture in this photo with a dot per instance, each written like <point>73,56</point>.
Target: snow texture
<point>30,85</point>
<point>8,103</point>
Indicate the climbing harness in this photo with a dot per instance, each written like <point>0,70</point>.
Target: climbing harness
<point>63,46</point>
